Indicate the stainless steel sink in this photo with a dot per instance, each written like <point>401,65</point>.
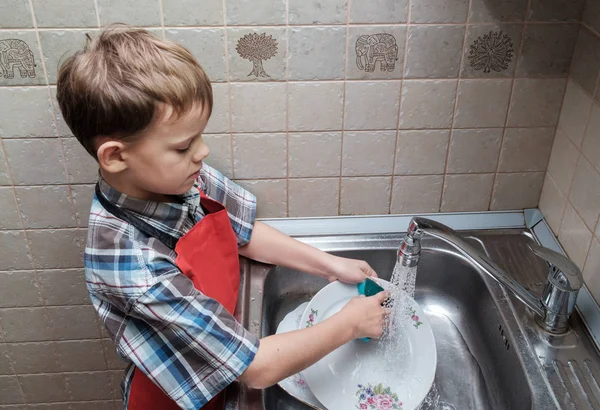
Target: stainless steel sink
<point>491,355</point>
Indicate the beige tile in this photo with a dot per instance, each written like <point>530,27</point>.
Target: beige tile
<point>46,207</point>
<point>319,12</point>
<point>467,192</point>
<point>82,198</point>
<point>31,358</point>
<point>6,366</point>
<point>258,107</point>
<point>517,191</point>
<point>259,156</point>
<point>591,270</point>
<point>474,151</point>
<point>13,251</point>
<point>220,152</point>
<point>81,355</point>
<point>585,192</point>
<point>316,53</point>
<point>187,13</point>
<point>81,167</point>
<point>368,153</point>
<point>379,11</point>
<point>444,47</point>
<point>26,111</point>
<point>563,161</point>
<point>113,361</point>
<point>315,106</point>
<point>417,194</point>
<point>315,155</point>
<point>44,388</point>
<point>575,112</point>
<point>73,322</point>
<point>219,118</point>
<point>10,392</point>
<point>19,289</point>
<point>526,149</point>
<point>37,328</point>
<point>89,385</point>
<point>57,249</point>
<point>65,13</point>
<point>482,103</point>
<point>536,102</point>
<point>116,376</point>
<point>271,196</point>
<point>259,12</point>
<point>56,44</point>
<point>372,105</point>
<point>574,236</point>
<point>427,103</point>
<point>49,406</point>
<point>4,176</point>
<point>365,196</point>
<point>314,197</point>
<point>15,13</point>
<point>552,204</point>
<point>591,142</point>
<point>64,287</point>
<point>439,11</point>
<point>421,152</point>
<point>93,405</point>
<point>44,158</point>
<point>9,214</point>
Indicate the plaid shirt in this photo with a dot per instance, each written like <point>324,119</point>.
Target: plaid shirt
<point>186,342</point>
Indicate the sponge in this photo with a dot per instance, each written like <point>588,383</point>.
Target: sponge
<point>368,288</point>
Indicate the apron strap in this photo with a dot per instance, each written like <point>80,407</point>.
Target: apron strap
<point>143,226</point>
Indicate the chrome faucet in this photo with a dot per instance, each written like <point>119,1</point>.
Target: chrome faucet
<point>560,293</point>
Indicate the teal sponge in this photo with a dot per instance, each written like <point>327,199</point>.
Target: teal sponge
<point>368,288</point>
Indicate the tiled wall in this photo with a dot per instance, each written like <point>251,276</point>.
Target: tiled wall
<point>571,194</point>
<point>361,107</point>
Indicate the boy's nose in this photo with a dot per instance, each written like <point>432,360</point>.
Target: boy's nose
<point>201,153</point>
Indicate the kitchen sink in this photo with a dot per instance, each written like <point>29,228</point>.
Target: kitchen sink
<point>491,355</point>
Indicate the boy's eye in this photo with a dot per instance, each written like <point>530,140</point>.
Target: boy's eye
<point>183,149</point>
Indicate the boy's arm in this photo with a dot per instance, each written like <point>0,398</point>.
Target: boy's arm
<point>269,245</point>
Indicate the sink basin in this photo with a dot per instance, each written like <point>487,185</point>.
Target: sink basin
<point>491,355</point>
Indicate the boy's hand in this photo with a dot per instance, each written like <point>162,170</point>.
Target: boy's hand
<point>350,270</point>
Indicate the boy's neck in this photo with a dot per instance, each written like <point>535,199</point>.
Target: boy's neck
<point>121,186</point>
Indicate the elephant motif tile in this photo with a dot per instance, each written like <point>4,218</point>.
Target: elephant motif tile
<point>376,52</point>
<point>19,59</point>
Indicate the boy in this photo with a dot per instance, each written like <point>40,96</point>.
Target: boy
<point>162,252</point>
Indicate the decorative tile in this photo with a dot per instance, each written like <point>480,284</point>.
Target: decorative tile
<point>556,10</point>
<point>220,153</point>
<point>314,197</point>
<point>574,236</point>
<point>15,13</point>
<point>64,287</point>
<point>317,12</point>
<point>9,213</point>
<point>58,208</point>
<point>491,50</point>
<point>243,12</point>
<point>315,106</point>
<point>474,151</point>
<point>379,11</point>
<point>552,204</point>
<point>44,157</point>
<point>258,54</point>
<point>65,13</point>
<point>44,388</point>
<point>61,318</point>
<point>57,45</point>
<point>372,105</point>
<point>365,196</point>
<point>81,167</point>
<point>193,12</point>
<point>585,193</point>
<point>315,155</point>
<point>526,149</point>
<point>19,289</point>
<point>439,11</point>
<point>13,251</point>
<point>271,196</point>
<point>207,45</point>
<point>575,113</point>
<point>259,156</point>
<point>413,194</point>
<point>547,50</point>
<point>27,112</point>
<point>434,51</point>
<point>258,107</point>
<point>37,328</point>
<point>591,141</point>
<point>57,249</point>
<point>482,103</point>
<point>37,357</point>
<point>483,11</point>
<point>314,53</point>
<point>26,68</point>
<point>144,13</point>
<point>10,391</point>
<point>586,60</point>
<point>89,385</point>
<point>465,193</point>
<point>563,161</point>
<point>536,102</point>
<point>413,146</point>
<point>219,118</point>
<point>368,153</point>
<point>427,103</point>
<point>375,52</point>
<point>517,191</point>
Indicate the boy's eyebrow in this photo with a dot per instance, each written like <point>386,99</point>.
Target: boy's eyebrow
<point>186,139</point>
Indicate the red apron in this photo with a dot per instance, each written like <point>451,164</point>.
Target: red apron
<point>208,255</point>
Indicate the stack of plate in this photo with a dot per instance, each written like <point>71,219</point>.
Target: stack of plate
<point>363,375</point>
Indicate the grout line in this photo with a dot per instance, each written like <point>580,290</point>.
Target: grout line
<point>97,9</point>
<point>228,83</point>
<point>348,6</point>
<point>161,15</point>
<point>287,110</point>
<point>590,28</point>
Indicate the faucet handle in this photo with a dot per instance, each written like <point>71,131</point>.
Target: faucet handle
<point>564,274</point>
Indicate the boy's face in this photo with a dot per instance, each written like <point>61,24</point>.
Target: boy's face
<point>166,159</point>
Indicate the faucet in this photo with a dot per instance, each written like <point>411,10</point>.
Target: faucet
<point>558,300</point>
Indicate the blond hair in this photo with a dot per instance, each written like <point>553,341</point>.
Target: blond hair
<point>113,87</point>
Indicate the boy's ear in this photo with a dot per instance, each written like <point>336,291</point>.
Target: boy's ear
<point>110,156</point>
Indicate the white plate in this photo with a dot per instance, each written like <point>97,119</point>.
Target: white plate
<point>362,375</point>
<point>295,385</point>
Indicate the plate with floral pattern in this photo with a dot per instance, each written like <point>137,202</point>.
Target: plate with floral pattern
<point>372,375</point>
<point>295,385</point>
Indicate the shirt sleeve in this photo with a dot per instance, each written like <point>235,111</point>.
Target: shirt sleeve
<point>240,203</point>
<point>186,342</point>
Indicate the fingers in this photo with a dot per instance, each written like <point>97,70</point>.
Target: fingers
<point>382,296</point>
<point>369,271</point>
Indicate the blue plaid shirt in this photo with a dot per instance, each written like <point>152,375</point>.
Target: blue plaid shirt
<point>184,341</point>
